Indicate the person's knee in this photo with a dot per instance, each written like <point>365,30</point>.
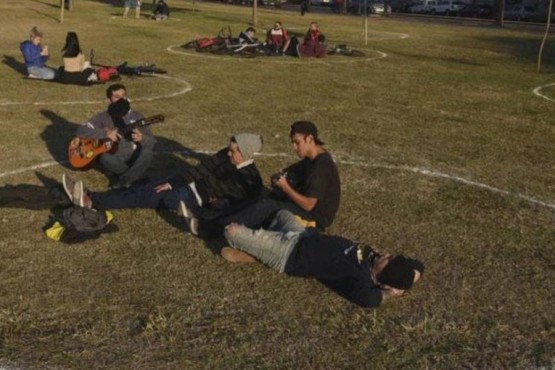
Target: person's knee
<point>231,230</point>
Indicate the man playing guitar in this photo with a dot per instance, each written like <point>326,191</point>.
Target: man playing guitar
<point>133,153</point>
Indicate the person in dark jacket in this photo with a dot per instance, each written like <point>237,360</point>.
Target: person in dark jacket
<point>162,11</point>
<point>335,261</point>
<point>309,188</point>
<point>219,185</point>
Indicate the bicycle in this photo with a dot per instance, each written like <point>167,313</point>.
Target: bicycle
<point>210,44</point>
<point>343,49</point>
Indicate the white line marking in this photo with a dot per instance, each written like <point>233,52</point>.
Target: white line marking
<point>286,60</point>
<point>416,170</point>
<point>185,89</point>
<point>538,90</point>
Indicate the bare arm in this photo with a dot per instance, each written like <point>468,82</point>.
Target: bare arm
<point>306,203</point>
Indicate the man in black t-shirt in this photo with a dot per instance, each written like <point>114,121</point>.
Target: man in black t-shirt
<point>309,188</point>
<point>335,261</point>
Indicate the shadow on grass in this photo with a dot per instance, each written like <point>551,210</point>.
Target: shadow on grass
<point>48,195</point>
<point>57,135</point>
<point>44,14</point>
<point>525,48</point>
<point>15,64</point>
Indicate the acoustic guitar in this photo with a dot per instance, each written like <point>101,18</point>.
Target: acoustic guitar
<point>82,152</point>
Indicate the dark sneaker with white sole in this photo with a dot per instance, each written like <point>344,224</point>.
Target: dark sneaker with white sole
<point>192,221</point>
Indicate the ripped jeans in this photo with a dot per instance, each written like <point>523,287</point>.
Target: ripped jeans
<point>273,246</point>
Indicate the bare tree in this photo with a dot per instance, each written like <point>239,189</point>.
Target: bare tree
<point>548,25</point>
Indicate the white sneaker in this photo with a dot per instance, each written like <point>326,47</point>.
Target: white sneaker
<point>68,184</point>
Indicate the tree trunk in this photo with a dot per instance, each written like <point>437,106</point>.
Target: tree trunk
<point>500,5</point>
<point>548,24</point>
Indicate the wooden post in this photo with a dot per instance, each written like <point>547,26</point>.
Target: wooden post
<point>254,12</point>
<point>62,7</point>
<point>365,22</point>
<point>548,24</point>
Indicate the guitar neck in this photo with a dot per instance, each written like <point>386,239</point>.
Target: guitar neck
<point>127,129</point>
<point>133,125</point>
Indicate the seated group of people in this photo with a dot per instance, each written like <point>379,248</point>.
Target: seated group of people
<point>76,69</point>
<point>224,195</point>
<point>278,41</point>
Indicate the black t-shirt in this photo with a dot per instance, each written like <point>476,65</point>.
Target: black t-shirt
<point>318,178</point>
<point>333,260</point>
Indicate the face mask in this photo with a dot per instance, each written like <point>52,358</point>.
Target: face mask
<point>119,108</point>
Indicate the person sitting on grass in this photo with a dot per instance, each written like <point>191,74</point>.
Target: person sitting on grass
<point>219,185</point>
<point>247,41</point>
<point>335,261</point>
<point>309,188</point>
<point>134,153</point>
<point>76,69</point>
<point>277,40</point>
<point>162,11</point>
<point>35,56</point>
<point>313,44</point>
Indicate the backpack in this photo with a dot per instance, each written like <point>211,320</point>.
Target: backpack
<point>107,74</point>
<point>78,224</point>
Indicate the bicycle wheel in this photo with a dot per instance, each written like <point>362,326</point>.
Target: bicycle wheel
<point>355,53</point>
<point>190,45</point>
<point>151,70</point>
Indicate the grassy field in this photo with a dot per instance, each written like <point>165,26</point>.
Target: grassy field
<point>455,99</point>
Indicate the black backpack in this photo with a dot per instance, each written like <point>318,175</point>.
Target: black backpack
<point>78,224</point>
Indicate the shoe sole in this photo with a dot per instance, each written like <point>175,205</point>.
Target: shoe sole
<point>65,180</point>
<point>182,210</point>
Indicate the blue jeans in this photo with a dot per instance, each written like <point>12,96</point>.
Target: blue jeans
<point>273,246</point>
<point>143,196</point>
<point>254,216</point>
<point>44,73</point>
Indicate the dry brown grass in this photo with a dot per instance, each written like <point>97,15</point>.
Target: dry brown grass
<point>452,98</point>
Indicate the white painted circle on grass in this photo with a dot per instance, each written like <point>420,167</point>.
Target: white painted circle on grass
<point>185,88</point>
<point>278,59</point>
<point>416,170</point>
<point>538,91</point>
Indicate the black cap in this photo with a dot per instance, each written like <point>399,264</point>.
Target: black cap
<point>398,273</point>
<point>305,128</point>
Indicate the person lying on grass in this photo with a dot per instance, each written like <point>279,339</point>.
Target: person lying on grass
<point>288,247</point>
<point>220,184</point>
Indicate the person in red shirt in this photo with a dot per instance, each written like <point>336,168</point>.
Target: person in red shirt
<point>313,44</point>
<point>277,40</point>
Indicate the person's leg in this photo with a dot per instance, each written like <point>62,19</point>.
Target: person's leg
<point>43,73</point>
<point>270,247</point>
<point>113,164</point>
<point>255,215</point>
<point>139,196</point>
<point>138,168</point>
<point>286,221</point>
